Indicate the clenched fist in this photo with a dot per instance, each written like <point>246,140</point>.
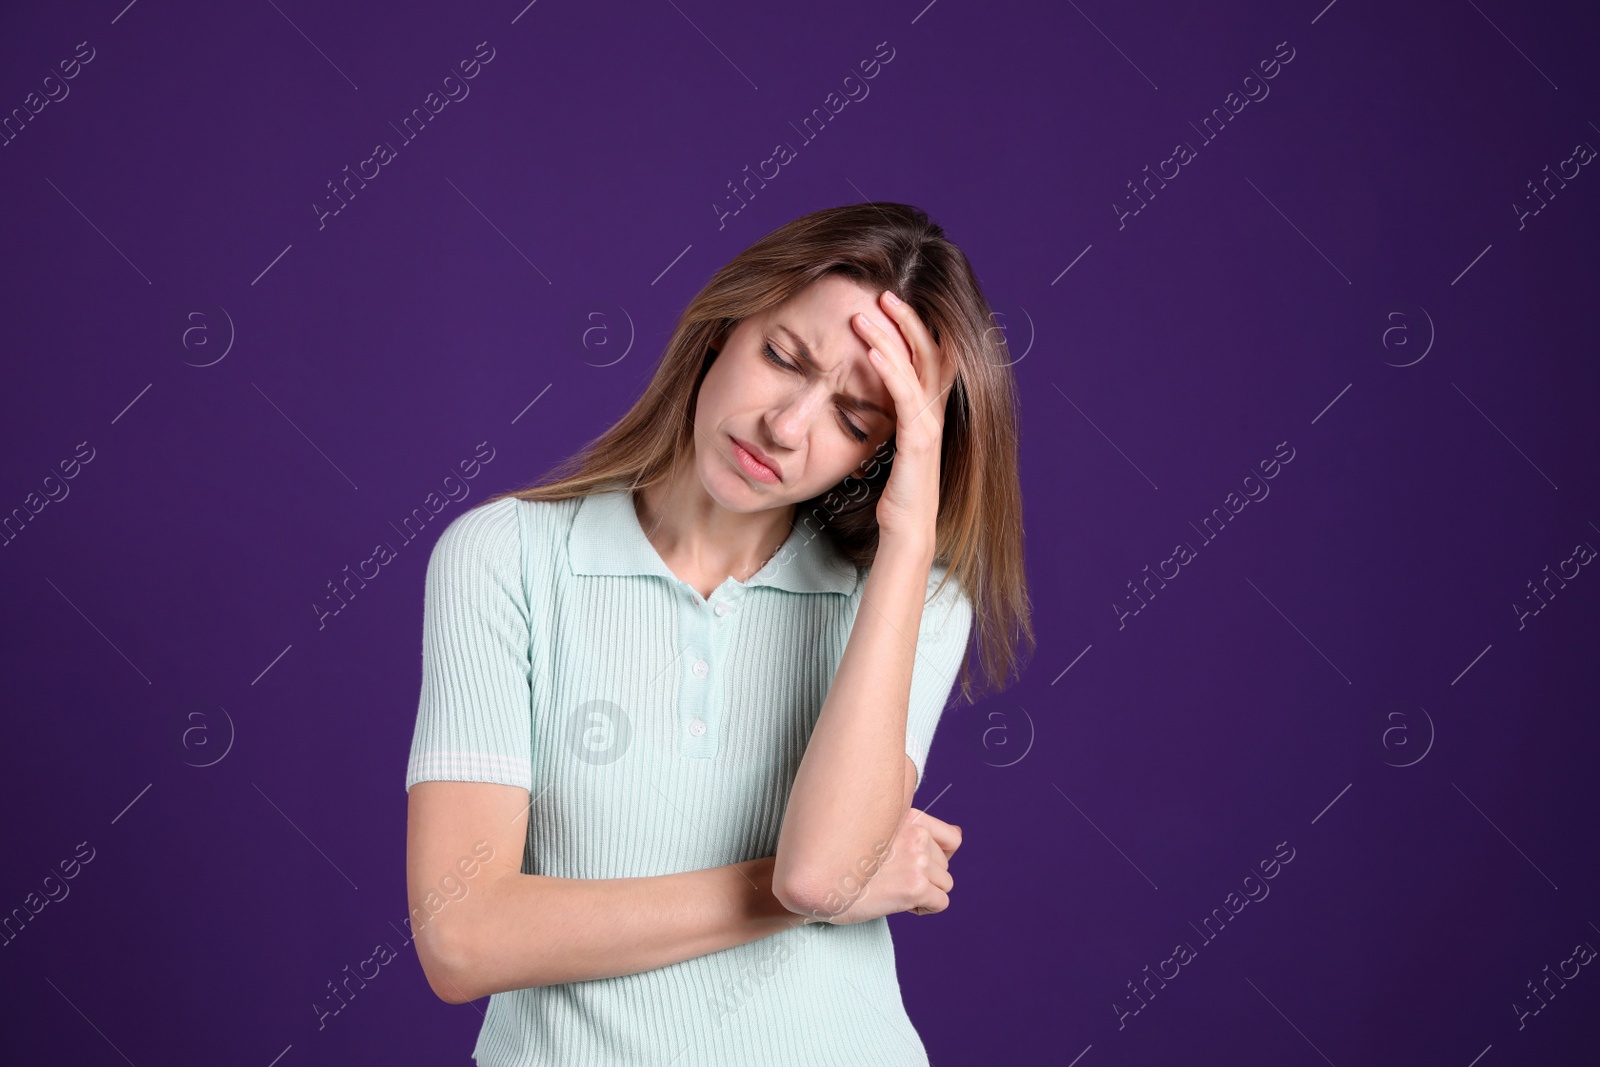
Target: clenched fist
<point>913,876</point>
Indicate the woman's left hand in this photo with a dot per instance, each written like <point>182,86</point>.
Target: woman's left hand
<point>919,377</point>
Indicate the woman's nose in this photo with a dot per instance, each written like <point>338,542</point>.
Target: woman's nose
<point>789,421</point>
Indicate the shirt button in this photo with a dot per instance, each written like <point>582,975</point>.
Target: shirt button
<point>722,607</point>
<point>699,668</point>
<point>697,727</point>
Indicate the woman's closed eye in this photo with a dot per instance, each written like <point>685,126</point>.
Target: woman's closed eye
<point>773,358</point>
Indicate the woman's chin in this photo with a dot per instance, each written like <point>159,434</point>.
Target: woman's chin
<point>735,492</point>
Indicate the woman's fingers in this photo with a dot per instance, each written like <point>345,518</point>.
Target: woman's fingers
<point>908,347</point>
<point>936,369</point>
<point>880,332</point>
<point>941,901</point>
<point>919,339</point>
<point>899,376</point>
<point>942,840</point>
<point>946,836</point>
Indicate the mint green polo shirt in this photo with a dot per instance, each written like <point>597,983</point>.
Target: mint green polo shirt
<point>658,732</point>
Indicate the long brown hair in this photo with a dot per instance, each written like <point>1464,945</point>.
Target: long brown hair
<point>881,246</point>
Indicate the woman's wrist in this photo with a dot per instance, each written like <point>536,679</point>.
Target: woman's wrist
<point>912,549</point>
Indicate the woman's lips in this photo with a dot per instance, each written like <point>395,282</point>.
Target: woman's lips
<point>753,466</point>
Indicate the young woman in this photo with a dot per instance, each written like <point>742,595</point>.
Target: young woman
<point>677,698</point>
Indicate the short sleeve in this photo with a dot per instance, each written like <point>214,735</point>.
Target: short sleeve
<point>941,650</point>
<point>474,718</point>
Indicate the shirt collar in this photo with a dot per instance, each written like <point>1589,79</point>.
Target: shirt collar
<point>606,538</point>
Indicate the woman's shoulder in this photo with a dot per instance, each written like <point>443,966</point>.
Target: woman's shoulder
<point>510,510</point>
<point>948,602</point>
<point>501,527</point>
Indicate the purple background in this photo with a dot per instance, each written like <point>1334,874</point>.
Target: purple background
<point>511,277</point>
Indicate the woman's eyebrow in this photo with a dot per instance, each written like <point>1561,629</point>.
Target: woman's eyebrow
<point>805,354</point>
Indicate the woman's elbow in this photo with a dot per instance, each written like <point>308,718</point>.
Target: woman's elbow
<point>447,962</point>
<point>805,896</point>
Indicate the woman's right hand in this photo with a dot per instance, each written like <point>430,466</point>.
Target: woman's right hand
<point>913,876</point>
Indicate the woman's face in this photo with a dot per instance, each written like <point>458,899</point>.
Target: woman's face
<point>815,420</point>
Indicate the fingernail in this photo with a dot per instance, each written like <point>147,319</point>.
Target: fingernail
<point>892,298</point>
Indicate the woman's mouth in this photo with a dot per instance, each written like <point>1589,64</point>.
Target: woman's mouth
<point>752,466</point>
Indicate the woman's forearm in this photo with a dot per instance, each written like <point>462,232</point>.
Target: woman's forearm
<point>848,794</point>
<point>532,930</point>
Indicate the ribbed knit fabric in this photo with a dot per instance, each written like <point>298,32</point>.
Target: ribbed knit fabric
<point>660,732</point>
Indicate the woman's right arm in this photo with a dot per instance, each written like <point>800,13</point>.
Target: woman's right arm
<point>498,929</point>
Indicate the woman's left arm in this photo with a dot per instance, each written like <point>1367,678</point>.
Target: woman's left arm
<point>854,781</point>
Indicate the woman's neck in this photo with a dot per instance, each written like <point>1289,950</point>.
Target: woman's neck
<point>701,541</point>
